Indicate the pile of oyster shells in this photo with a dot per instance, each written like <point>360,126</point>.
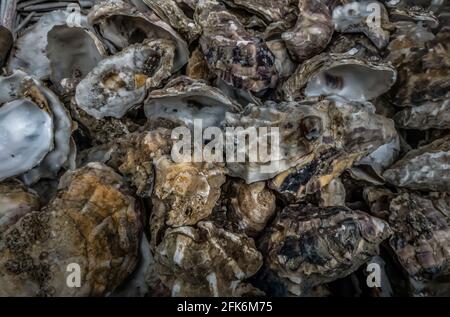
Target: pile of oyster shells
<point>89,95</point>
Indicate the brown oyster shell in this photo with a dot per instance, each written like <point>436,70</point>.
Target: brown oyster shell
<point>425,168</point>
<point>6,42</point>
<point>251,206</point>
<point>313,30</point>
<point>232,53</point>
<point>307,245</point>
<point>206,261</point>
<point>93,221</point>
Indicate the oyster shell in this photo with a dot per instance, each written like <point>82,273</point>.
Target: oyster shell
<point>251,206</point>
<point>184,194</point>
<point>206,261</point>
<point>93,222</point>
<point>32,112</point>
<point>6,42</point>
<point>313,30</point>
<point>171,12</point>
<point>121,81</point>
<point>307,245</point>
<point>183,100</point>
<point>344,75</point>
<point>232,53</point>
<point>122,24</point>
<point>270,11</point>
<point>368,17</point>
<point>28,53</point>
<point>426,116</point>
<point>425,168</point>
<point>73,52</point>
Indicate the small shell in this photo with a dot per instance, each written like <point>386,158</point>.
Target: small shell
<point>307,245</point>
<point>232,53</point>
<point>344,75</point>
<point>121,24</point>
<point>313,30</point>
<point>121,81</point>
<point>206,261</point>
<point>425,168</point>
<point>93,220</point>
<point>184,100</point>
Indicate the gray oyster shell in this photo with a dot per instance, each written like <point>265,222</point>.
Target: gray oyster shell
<point>342,75</point>
<point>232,53</point>
<point>425,168</point>
<point>122,25</point>
<point>307,245</point>
<point>73,52</point>
<point>122,81</point>
<point>184,100</point>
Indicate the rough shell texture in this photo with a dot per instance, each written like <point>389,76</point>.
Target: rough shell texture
<point>206,261</point>
<point>425,168</point>
<point>307,246</point>
<point>93,221</point>
<point>232,53</point>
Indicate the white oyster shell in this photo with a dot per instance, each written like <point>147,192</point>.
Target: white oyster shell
<point>121,81</point>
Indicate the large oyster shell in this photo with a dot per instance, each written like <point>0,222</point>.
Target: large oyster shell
<point>232,53</point>
<point>52,126</point>
<point>206,261</point>
<point>122,24</point>
<point>344,75</point>
<point>93,222</point>
<point>183,100</point>
<point>307,246</point>
<point>425,168</point>
<point>121,81</point>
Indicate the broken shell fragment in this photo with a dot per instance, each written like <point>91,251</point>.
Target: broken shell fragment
<point>232,53</point>
<point>206,261</point>
<point>307,245</point>
<point>93,222</point>
<point>313,30</point>
<point>425,168</point>
<point>121,81</point>
<point>343,75</point>
<point>73,52</point>
<point>184,100</point>
<point>122,25</point>
<point>368,17</point>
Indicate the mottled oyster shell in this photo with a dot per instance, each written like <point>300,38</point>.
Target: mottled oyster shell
<point>183,194</point>
<point>36,136</point>
<point>73,52</point>
<point>93,221</point>
<point>28,53</point>
<point>121,81</point>
<point>184,100</point>
<point>313,30</point>
<point>206,261</point>
<point>172,13</point>
<point>344,75</point>
<point>429,115</point>
<point>307,246</point>
<point>15,201</point>
<point>122,24</point>
<point>425,168</point>
<point>251,206</point>
<point>232,53</point>
<point>368,17</point>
